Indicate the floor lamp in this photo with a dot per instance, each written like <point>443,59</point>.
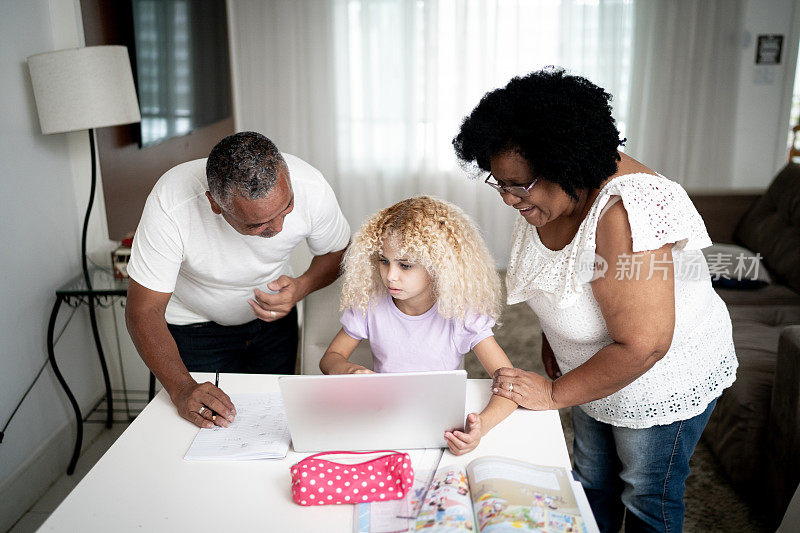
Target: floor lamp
<point>83,89</point>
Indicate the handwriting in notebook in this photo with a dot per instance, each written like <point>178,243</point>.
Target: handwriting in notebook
<point>259,431</point>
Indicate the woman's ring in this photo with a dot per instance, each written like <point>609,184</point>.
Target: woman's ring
<point>202,409</point>
<point>272,314</point>
<point>510,387</point>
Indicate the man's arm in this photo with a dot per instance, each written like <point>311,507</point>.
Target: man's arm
<point>144,316</point>
<point>323,270</point>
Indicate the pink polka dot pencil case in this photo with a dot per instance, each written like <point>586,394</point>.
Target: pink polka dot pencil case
<point>318,481</point>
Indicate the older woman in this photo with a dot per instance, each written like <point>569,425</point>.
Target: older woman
<point>607,254</point>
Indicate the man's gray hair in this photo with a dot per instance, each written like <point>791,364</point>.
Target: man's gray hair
<point>245,164</point>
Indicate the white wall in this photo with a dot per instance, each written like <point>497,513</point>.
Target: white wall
<point>764,94</point>
<point>43,192</point>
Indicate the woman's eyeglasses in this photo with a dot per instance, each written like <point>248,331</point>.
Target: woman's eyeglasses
<point>517,190</point>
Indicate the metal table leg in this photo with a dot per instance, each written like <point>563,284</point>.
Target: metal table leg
<point>78,417</point>
<point>103,366</point>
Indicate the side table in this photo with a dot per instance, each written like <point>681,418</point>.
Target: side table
<point>105,288</point>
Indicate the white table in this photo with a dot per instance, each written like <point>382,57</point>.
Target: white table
<point>143,484</point>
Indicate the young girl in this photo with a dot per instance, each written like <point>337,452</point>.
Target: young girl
<point>420,284</point>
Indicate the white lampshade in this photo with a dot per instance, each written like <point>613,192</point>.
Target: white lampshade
<point>82,88</point>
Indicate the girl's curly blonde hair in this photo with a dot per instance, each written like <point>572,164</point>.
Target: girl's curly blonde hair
<point>436,235</point>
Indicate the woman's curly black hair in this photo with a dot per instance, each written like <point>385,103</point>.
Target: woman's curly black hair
<point>561,124</point>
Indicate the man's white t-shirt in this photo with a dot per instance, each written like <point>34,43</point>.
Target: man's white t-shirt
<point>182,247</point>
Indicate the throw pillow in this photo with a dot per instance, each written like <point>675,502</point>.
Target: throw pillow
<point>735,267</point>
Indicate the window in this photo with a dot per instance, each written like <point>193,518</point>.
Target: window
<point>408,72</point>
<point>794,113</point>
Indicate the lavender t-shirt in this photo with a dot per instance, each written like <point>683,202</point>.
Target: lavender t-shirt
<point>403,343</point>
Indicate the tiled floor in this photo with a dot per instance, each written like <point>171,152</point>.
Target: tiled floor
<point>37,514</point>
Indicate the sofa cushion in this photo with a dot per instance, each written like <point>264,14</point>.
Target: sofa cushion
<point>770,295</point>
<point>771,226</point>
<point>737,427</point>
<point>783,431</point>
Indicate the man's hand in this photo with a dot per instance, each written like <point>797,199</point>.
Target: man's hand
<point>271,307</point>
<point>527,389</point>
<point>196,401</point>
<point>461,442</point>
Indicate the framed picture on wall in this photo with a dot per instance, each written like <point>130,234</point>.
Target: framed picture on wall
<point>768,49</point>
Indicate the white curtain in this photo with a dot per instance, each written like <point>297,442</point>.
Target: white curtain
<point>372,92</point>
<point>683,89</point>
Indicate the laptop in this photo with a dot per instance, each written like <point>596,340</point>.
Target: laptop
<point>354,412</point>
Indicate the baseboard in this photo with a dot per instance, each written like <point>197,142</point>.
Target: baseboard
<point>43,468</point>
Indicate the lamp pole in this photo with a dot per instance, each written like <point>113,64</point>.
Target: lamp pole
<point>88,279</point>
<point>84,262</point>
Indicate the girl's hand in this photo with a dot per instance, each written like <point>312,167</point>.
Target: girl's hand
<point>358,369</point>
<point>527,389</point>
<point>336,359</point>
<point>461,442</point>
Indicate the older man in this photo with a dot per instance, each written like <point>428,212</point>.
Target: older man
<point>210,288</point>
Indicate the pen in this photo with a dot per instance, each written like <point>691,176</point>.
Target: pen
<point>216,384</point>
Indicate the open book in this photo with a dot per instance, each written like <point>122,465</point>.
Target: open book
<point>488,495</point>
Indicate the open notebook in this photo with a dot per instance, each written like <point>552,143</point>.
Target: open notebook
<point>259,431</point>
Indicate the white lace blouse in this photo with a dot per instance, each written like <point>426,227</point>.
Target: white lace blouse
<point>701,361</point>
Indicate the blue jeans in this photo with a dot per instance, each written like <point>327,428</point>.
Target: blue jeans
<point>256,347</point>
<point>638,471</point>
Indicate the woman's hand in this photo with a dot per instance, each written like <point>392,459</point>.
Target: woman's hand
<point>549,360</point>
<point>551,365</point>
<point>527,389</point>
<point>461,442</point>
